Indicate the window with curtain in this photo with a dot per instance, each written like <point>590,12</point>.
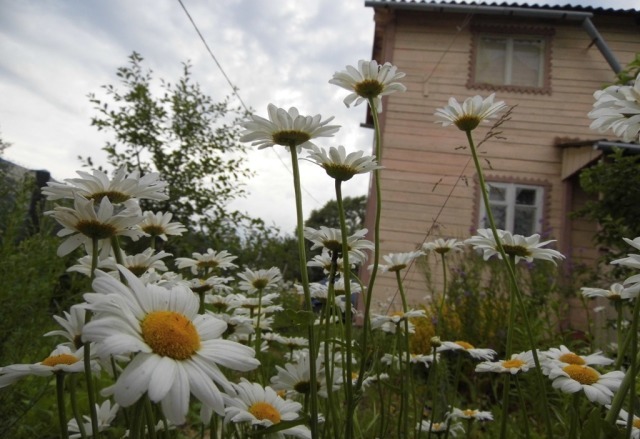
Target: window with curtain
<point>515,207</point>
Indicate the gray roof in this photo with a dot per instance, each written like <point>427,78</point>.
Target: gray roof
<point>575,5</point>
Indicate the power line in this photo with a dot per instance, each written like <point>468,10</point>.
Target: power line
<point>235,92</point>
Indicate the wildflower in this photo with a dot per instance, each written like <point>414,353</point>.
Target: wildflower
<point>72,324</point>
<point>472,414</point>
<point>83,224</point>
<point>217,284</point>
<point>389,359</point>
<point>617,108</point>
<point>615,292</point>
<point>562,356</point>
<point>62,359</point>
<point>262,407</point>
<point>572,378</point>
<point>369,81</point>
<point>295,378</point>
<point>286,128</point>
<point>477,353</point>
<point>222,303</point>
<point>159,224</point>
<point>259,280</point>
<point>471,113</point>
<point>340,165</point>
<point>331,239</point>
<point>120,188</point>
<point>238,326</point>
<point>389,323</point>
<point>521,362</point>
<point>516,246</point>
<point>177,351</point>
<point>399,261</point>
<point>106,415</point>
<point>623,416</point>
<point>208,261</point>
<point>440,428</point>
<point>443,246</point>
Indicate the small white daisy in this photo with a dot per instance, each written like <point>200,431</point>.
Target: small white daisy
<point>521,362</point>
<point>106,415</point>
<point>440,428</point>
<point>399,261</point>
<point>159,224</point>
<point>477,353</point>
<point>615,292</point>
<point>471,113</point>
<point>259,280</point>
<point>517,246</point>
<point>573,378</point>
<point>623,419</point>
<point>443,246</point>
<point>562,356</point>
<point>211,260</point>
<point>369,81</point>
<point>331,240</point>
<point>72,324</point>
<point>473,414</point>
<point>286,127</point>
<point>261,407</point>
<point>342,166</point>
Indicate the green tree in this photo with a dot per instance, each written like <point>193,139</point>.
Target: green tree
<point>327,215</point>
<point>186,137</point>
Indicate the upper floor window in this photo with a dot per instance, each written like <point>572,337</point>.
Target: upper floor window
<point>511,59</point>
<point>515,207</point>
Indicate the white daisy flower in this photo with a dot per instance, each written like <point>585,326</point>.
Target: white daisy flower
<point>295,378</point>
<point>217,284</point>
<point>83,223</point>
<point>72,324</point>
<point>369,81</point>
<point>342,166</point>
<point>443,246</point>
<point>623,419</point>
<point>62,359</point>
<point>159,224</point>
<point>261,407</point>
<point>599,388</point>
<point>286,128</point>
<point>211,260</point>
<point>291,342</point>
<point>177,351</point>
<point>83,266</point>
<point>252,303</point>
<point>222,303</point>
<point>521,362</point>
<point>518,246</point>
<point>395,321</point>
<point>440,428</point>
<point>473,414</point>
<point>389,359</point>
<point>398,261</point>
<point>562,356</point>
<point>471,113</point>
<point>120,188</point>
<point>617,108</point>
<point>106,415</point>
<point>331,239</point>
<point>477,353</point>
<point>259,280</point>
<point>615,292</point>
<point>238,327</point>
<point>148,260</point>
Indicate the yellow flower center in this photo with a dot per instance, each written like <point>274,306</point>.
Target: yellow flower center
<point>464,344</point>
<point>263,410</point>
<point>95,229</point>
<point>469,413</point>
<point>636,423</point>
<point>207,264</point>
<point>114,196</point>
<point>59,359</point>
<point>260,283</point>
<point>515,363</point>
<point>582,374</point>
<point>339,172</point>
<point>572,358</point>
<point>290,138</point>
<point>369,88</point>
<point>170,334</point>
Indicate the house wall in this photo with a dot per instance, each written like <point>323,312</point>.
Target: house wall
<point>428,182</point>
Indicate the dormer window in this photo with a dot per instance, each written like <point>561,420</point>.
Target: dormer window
<point>511,59</point>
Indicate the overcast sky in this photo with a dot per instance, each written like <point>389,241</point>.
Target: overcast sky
<point>283,52</point>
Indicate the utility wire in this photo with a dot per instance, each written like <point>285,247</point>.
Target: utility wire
<point>235,92</point>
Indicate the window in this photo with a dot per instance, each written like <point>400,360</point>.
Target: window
<point>510,59</point>
<point>516,207</point>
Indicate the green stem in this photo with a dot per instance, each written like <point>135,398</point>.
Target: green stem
<point>507,378</point>
<point>540,381</point>
<point>523,407</point>
<point>136,428</point>
<point>259,333</point>
<point>376,246</point>
<point>91,393</point>
<point>444,294</point>
<point>62,416</point>
<point>346,277</point>
<point>151,419</point>
<point>407,358</point>
<point>74,405</point>
<point>332,417</point>
<point>575,416</point>
<point>307,292</point>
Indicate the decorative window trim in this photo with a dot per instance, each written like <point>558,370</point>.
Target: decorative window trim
<point>545,205</point>
<point>545,33</point>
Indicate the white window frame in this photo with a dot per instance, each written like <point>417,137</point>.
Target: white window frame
<point>510,204</point>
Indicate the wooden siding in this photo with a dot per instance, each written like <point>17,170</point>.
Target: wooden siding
<point>428,181</point>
